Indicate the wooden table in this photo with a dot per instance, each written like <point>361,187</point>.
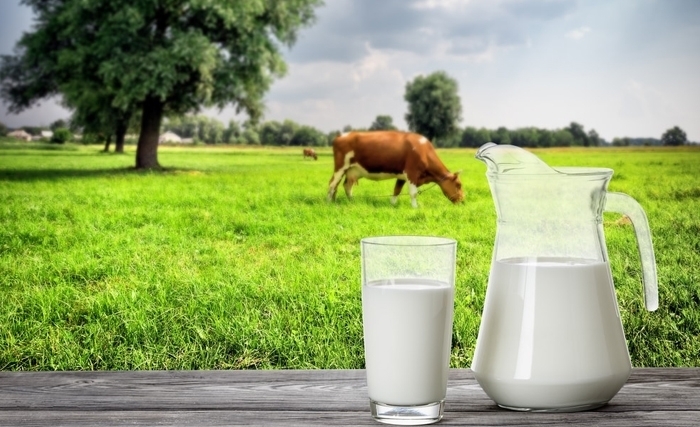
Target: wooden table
<point>651,397</point>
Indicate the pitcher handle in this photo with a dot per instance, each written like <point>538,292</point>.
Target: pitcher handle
<point>626,205</point>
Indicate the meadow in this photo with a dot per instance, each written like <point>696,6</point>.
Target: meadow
<point>231,258</point>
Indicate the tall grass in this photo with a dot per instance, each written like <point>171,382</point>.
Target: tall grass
<point>232,259</point>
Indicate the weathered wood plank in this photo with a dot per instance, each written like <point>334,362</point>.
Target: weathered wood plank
<point>322,397</point>
<point>197,390</point>
<point>296,418</point>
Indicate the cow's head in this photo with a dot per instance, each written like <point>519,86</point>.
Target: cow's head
<point>451,187</point>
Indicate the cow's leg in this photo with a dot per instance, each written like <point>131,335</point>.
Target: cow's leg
<point>341,169</point>
<point>413,191</point>
<point>349,182</point>
<point>397,190</point>
<point>333,184</point>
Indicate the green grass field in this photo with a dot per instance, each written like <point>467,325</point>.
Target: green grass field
<point>232,259</point>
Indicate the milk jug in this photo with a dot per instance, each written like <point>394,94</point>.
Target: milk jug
<point>550,337</point>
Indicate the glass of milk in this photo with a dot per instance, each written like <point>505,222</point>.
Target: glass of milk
<point>408,286</point>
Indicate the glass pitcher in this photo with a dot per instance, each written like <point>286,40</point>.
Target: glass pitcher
<point>550,337</point>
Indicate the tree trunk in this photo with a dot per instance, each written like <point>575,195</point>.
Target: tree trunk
<point>147,148</point>
<point>107,142</point>
<point>121,133</point>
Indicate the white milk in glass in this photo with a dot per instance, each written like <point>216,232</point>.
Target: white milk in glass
<point>550,335</point>
<point>408,333</point>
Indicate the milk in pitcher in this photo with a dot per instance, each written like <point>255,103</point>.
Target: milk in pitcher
<point>550,335</point>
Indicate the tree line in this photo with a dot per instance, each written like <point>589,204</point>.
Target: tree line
<point>201,129</point>
<point>289,133</point>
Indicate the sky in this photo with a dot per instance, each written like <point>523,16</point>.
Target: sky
<point>626,68</point>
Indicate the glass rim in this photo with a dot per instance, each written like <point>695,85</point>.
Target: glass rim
<point>408,240</point>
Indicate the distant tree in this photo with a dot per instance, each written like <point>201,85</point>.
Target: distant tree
<point>473,137</point>
<point>307,136</point>
<point>594,139</point>
<point>501,136</point>
<point>250,137</point>
<point>579,134</point>
<point>620,142</point>
<point>32,130</point>
<point>674,136</point>
<point>202,128</point>
<point>232,132</point>
<point>189,127</point>
<point>562,138</point>
<point>199,127</point>
<point>269,133</point>
<point>60,123</point>
<point>3,129</point>
<point>215,132</point>
<point>545,138</point>
<point>525,137</point>
<point>383,123</point>
<point>287,131</point>
<point>331,136</point>
<point>468,137</point>
<point>209,130</point>
<point>347,128</point>
<point>434,106</point>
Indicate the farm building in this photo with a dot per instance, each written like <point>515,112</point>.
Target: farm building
<point>169,137</point>
<point>20,134</point>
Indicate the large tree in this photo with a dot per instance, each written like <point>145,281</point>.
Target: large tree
<point>434,106</point>
<point>168,56</point>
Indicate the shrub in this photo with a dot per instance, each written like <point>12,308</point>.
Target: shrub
<point>61,136</point>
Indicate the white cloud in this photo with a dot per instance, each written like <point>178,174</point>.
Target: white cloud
<point>439,4</point>
<point>578,33</point>
<point>331,94</point>
<point>375,61</point>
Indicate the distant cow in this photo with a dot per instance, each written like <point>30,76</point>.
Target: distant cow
<point>381,155</point>
<point>309,152</point>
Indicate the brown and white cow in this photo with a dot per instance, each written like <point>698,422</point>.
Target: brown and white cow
<point>403,156</point>
<point>309,152</point>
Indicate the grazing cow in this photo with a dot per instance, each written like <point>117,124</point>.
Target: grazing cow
<point>309,152</point>
<point>396,155</point>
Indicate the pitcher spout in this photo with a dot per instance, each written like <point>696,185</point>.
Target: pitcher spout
<point>512,160</point>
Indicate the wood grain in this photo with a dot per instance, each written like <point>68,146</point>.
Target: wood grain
<point>651,397</point>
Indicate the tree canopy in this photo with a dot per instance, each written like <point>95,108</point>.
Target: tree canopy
<point>383,122</point>
<point>674,136</point>
<point>434,106</point>
<point>158,57</point>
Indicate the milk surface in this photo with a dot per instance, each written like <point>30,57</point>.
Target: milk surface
<point>408,334</point>
<point>550,335</point>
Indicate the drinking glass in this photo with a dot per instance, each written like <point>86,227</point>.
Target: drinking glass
<point>408,285</point>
